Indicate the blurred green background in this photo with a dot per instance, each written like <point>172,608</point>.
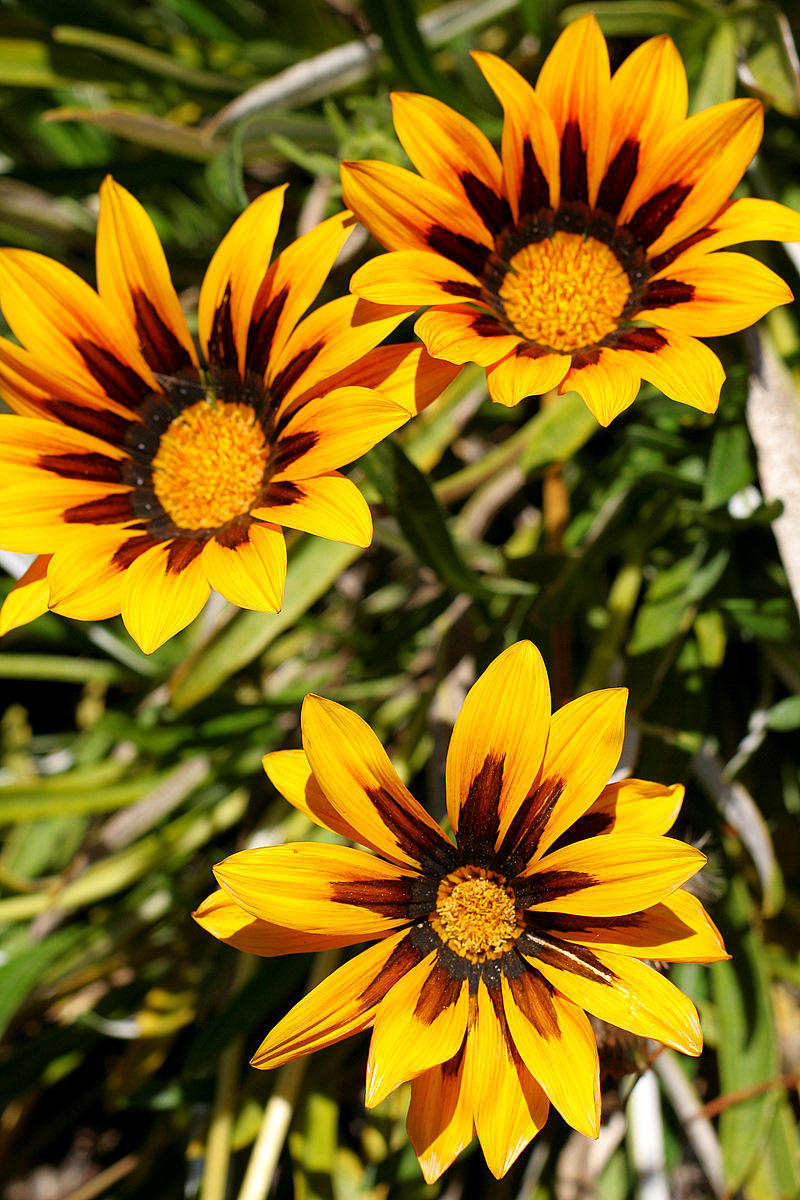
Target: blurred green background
<point>127,1030</point>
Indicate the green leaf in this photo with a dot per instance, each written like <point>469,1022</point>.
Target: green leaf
<point>729,467</point>
<point>558,431</point>
<point>785,714</point>
<point>718,78</point>
<point>396,25</point>
<point>21,973</point>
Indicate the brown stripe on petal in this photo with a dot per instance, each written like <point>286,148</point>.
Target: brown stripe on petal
<point>430,849</point>
<point>649,222</point>
<point>105,425</point>
<point>282,494</point>
<point>387,897</point>
<point>648,340</point>
<point>458,248</point>
<point>467,291</point>
<point>182,552</point>
<point>262,331</point>
<point>98,467</point>
<point>528,823</point>
<point>234,535</point>
<point>664,260</point>
<point>619,177</point>
<point>488,326</point>
<point>565,956</point>
<point>289,449</point>
<point>569,923</point>
<point>404,956</point>
<point>492,209</point>
<point>533,996</point>
<point>289,375</point>
<point>116,378</point>
<point>439,992</point>
<point>664,293</point>
<point>574,182</point>
<point>161,348</point>
<point>129,551</point>
<point>221,341</point>
<point>550,885</point>
<point>534,192</point>
<point>589,825</point>
<point>479,819</point>
<point>108,510</point>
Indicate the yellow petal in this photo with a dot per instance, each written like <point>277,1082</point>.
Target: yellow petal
<point>439,1123</point>
<point>608,386</point>
<point>164,591</point>
<point>521,375</point>
<point>250,572</point>
<point>630,806</point>
<point>330,506</point>
<point>28,598</point>
<point>333,430</point>
<point>414,278</point>
<point>223,918</point>
<point>724,292</point>
<point>291,774</point>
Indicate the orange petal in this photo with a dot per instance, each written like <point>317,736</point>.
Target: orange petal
<point>86,579</point>
<point>134,281</point>
<point>414,278</point>
<point>354,772</point>
<point>404,373</point>
<point>556,1043</point>
<point>678,929</point>
<point>28,598</point>
<point>45,512</point>
<point>520,375</point>
<point>332,430</point>
<point>319,888</point>
<point>746,220</point>
<point>574,85</point>
<point>224,919</point>
<point>31,445</point>
<point>67,394</point>
<point>497,746</point>
<point>678,365</point>
<point>510,1107</point>
<point>330,506</point>
<point>725,292</point>
<point>252,572</point>
<point>233,278</point>
<point>164,591</point>
<point>439,1123</point>
<point>419,1024</point>
<point>608,386</point>
<point>462,335</point>
<point>624,992</point>
<point>530,143</point>
<point>341,1005</point>
<point>290,772</point>
<point>609,876</point>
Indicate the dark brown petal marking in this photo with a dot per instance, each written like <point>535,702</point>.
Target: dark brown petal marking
<point>574,183</point>
<point>221,342</point>
<point>533,996</point>
<point>116,378</point>
<point>664,293</point>
<point>648,340</point>
<point>458,248</point>
<point>589,825</point>
<point>431,849</point>
<point>182,552</point>
<point>279,495</point>
<point>671,927</point>
<point>479,819</point>
<point>565,956</point>
<point>468,291</point>
<point>294,369</point>
<point>387,897</point>
<point>534,192</point>
<point>492,209</point>
<point>488,326</point>
<point>234,535</point>
<point>619,177</point>
<point>161,348</point>
<point>551,885</point>
<point>527,825</point>
<point>262,331</point>
<point>404,956</point>
<point>664,260</point>
<point>129,551</point>
<point>108,510</point>
<point>439,992</point>
<point>105,425</point>
<point>82,466</point>
<point>289,449</point>
<point>649,222</point>
<point>585,358</point>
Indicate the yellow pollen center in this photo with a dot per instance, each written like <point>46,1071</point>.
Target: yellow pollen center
<point>209,467</point>
<point>566,292</point>
<point>476,914</point>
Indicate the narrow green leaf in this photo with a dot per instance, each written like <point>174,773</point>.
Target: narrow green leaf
<point>729,466</point>
<point>785,714</point>
<point>396,25</point>
<point>558,432</point>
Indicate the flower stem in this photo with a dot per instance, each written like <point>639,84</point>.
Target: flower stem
<point>555,514</point>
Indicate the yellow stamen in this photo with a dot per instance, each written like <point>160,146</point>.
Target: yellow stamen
<point>476,914</point>
<point>210,463</point>
<point>566,292</point>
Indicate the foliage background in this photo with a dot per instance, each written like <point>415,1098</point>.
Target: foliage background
<point>124,778</point>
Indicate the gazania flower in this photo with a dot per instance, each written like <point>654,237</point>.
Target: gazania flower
<point>585,260</point>
<point>144,475</point>
<point>488,950</point>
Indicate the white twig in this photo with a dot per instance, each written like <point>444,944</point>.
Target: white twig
<point>698,1129</point>
<point>646,1140</point>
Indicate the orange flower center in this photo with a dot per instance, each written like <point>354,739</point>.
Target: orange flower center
<point>476,914</point>
<point>209,467</point>
<point>565,292</point>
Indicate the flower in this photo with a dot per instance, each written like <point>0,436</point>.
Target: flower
<point>583,260</point>
<point>143,478</point>
<point>487,951</point>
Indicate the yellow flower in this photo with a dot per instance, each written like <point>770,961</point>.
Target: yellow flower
<point>144,478</point>
<point>488,952</point>
<point>583,260</point>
